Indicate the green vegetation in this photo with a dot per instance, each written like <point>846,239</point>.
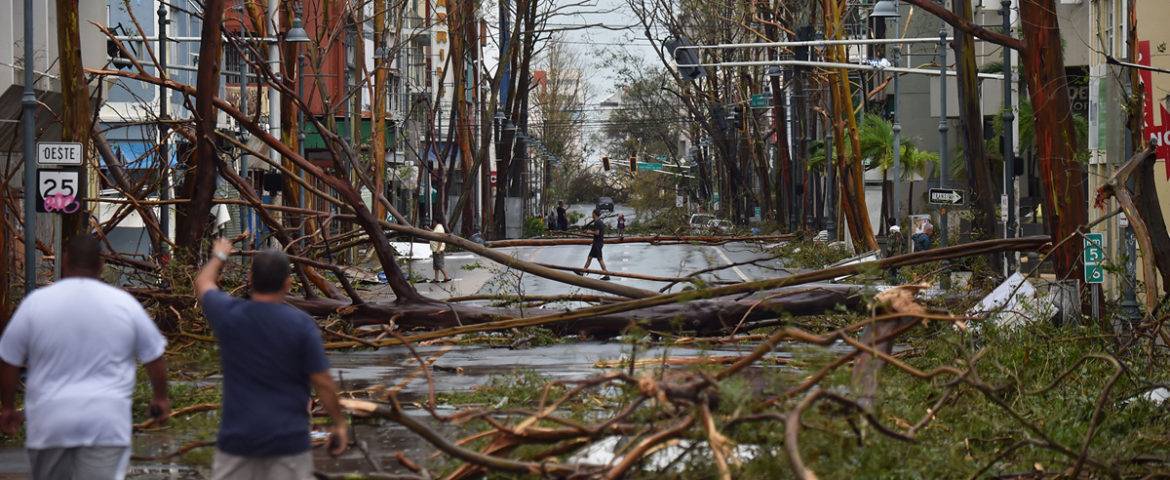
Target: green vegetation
<point>810,255</point>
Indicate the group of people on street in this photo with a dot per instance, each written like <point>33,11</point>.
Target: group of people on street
<point>919,241</point>
<point>79,340</point>
<point>557,220</point>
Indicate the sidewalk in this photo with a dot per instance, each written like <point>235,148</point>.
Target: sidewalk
<point>464,281</point>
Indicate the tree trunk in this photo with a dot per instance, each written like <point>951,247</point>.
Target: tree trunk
<point>378,109</point>
<point>459,16</point>
<point>850,175</point>
<point>978,168</point>
<point>703,317</point>
<point>199,184</point>
<point>1065,210</point>
<point>75,108</point>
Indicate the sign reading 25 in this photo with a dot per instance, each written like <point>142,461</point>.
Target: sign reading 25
<point>59,190</point>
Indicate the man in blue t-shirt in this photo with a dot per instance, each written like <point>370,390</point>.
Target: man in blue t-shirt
<point>271,353</point>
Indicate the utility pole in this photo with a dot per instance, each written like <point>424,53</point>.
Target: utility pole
<point>28,103</point>
<point>164,191</point>
<point>944,148</point>
<point>886,10</point>
<point>274,69</point>
<point>943,127</point>
<point>1009,154</point>
<point>831,197</point>
<point>245,212</point>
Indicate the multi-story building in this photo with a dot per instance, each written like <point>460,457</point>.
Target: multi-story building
<point>1108,89</point>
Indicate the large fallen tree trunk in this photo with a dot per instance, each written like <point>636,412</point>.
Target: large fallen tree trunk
<point>686,301</point>
<point>546,242</point>
<point>702,317</point>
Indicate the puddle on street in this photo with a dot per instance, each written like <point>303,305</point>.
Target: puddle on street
<point>458,368</point>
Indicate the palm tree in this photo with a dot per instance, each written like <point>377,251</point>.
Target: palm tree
<point>877,147</point>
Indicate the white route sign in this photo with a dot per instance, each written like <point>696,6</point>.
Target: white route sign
<point>66,154</point>
<point>59,191</point>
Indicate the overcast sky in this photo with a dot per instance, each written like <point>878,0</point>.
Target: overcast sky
<point>591,46</point>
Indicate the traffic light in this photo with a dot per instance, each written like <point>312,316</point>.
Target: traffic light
<point>633,164</point>
<point>686,58</point>
<point>605,163</point>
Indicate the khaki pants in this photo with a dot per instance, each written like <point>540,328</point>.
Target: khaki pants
<point>233,467</point>
<point>79,463</point>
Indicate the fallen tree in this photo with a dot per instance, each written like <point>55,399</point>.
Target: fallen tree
<point>651,239</point>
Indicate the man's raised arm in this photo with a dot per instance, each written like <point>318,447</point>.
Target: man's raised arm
<point>208,277</point>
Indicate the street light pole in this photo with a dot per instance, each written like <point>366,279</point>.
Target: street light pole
<point>274,69</point>
<point>944,148</point>
<point>28,102</point>
<point>889,9</point>
<point>1009,154</point>
<point>831,197</point>
<point>164,217</point>
<point>943,126</point>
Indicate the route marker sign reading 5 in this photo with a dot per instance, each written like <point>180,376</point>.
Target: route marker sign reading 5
<point>59,190</point>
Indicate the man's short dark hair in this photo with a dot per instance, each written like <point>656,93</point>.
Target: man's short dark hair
<point>596,212</point>
<point>83,254</point>
<point>270,270</point>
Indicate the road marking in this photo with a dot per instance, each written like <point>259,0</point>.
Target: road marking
<point>729,262</point>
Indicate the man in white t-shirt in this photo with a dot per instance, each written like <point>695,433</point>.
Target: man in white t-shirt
<point>80,340</point>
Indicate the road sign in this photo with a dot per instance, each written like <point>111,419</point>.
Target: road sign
<point>1094,255</point>
<point>1003,208</point>
<point>649,166</point>
<point>761,100</point>
<point>59,190</point>
<point>59,153</point>
<point>947,196</point>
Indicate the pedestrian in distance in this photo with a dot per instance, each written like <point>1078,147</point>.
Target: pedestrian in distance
<point>270,354</point>
<point>439,255</point>
<point>550,221</point>
<point>562,216</point>
<point>922,238</point>
<point>896,240</point>
<point>598,228</point>
<point>80,340</point>
<point>896,245</point>
<point>621,226</point>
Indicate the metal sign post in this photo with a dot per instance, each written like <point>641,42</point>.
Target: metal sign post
<point>60,183</point>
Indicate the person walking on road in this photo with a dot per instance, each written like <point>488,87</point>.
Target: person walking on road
<point>621,226</point>
<point>562,216</point>
<point>598,243</point>
<point>80,339</point>
<point>271,353</point>
<point>439,255</point>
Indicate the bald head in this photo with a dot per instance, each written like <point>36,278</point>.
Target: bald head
<point>83,257</point>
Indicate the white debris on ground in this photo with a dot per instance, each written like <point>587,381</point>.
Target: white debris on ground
<point>1013,303</point>
<point>863,258</point>
<point>412,251</point>
<point>677,453</point>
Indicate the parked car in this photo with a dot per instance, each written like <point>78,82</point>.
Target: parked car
<point>721,227</point>
<point>605,204</point>
<point>700,221</point>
